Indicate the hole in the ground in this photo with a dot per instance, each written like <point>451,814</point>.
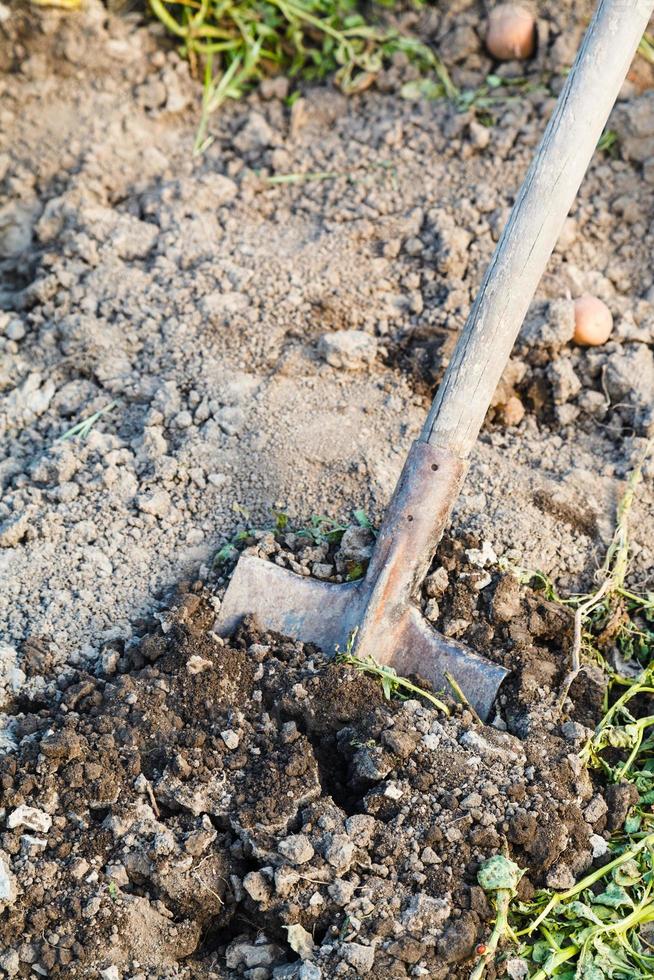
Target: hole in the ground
<point>333,773</point>
<point>332,767</point>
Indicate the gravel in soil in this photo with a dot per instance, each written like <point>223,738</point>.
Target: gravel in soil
<point>203,808</point>
<point>171,805</point>
<point>275,345</point>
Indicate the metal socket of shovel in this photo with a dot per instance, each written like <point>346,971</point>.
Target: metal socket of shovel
<point>382,607</point>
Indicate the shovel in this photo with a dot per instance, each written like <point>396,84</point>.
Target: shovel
<point>381,610</point>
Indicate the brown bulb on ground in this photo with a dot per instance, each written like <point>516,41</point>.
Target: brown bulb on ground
<point>512,412</point>
<point>511,32</point>
<point>593,321</point>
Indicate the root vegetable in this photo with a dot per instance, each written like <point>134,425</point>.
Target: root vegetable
<point>593,321</point>
<point>513,411</point>
<point>511,32</point>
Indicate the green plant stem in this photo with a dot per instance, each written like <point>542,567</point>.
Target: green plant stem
<point>387,673</point>
<point>561,956</point>
<point>586,882</point>
<point>643,723</point>
<point>83,428</point>
<point>460,696</point>
<point>641,686</point>
<point>500,929</point>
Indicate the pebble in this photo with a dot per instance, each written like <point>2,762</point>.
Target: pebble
<point>560,878</point>
<point>424,913</point>
<point>156,503</point>
<point>565,383</point>
<point>92,907</point>
<point>436,583</point>
<point>341,891</point>
<point>339,852</point>
<point>361,958</point>
<point>349,350</point>
<point>197,664</point>
<point>111,973</point>
<point>629,378</point>
<point>242,952</point>
<point>599,845</point>
<point>30,817</point>
<point>596,809</point>
<point>479,135</point>
<point>230,738</point>
<point>297,971</point>
<point>14,529</point>
<point>512,411</point>
<point>183,420</point>
<point>257,885</point>
<point>8,889</point>
<point>360,828</point>
<point>549,328</point>
<point>15,330</point>
<point>10,962</point>
<point>481,557</point>
<point>297,848</point>
<point>255,135</point>
<point>432,610</point>
<point>401,744</point>
<point>517,968</point>
<point>285,879</point>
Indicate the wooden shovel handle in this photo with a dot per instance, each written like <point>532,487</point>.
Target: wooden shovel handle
<point>535,223</point>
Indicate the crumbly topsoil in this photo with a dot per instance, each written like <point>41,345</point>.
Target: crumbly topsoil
<point>274,346</point>
<point>215,310</point>
<point>185,811</point>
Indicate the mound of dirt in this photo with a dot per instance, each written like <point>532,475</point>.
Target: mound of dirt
<point>274,345</point>
<point>235,337</point>
<point>202,808</point>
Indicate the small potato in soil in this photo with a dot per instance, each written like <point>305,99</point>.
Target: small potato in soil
<point>593,321</point>
<point>511,32</point>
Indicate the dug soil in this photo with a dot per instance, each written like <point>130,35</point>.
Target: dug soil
<point>248,339</point>
<point>249,808</point>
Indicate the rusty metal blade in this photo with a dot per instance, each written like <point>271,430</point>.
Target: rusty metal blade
<point>305,608</point>
<point>326,614</point>
<point>412,646</point>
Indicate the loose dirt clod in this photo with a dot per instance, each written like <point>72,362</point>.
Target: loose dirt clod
<point>206,822</point>
<point>194,293</point>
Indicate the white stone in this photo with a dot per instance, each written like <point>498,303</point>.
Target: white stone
<point>300,941</point>
<point>30,817</point>
<point>481,557</point>
<point>257,886</point>
<point>243,952</point>
<point>110,973</point>
<point>8,890</point>
<point>339,852</point>
<point>196,664</point>
<point>297,848</point>
<point>230,738</point>
<point>10,962</point>
<point>157,503</point>
<point>361,958</point>
<point>599,845</point>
